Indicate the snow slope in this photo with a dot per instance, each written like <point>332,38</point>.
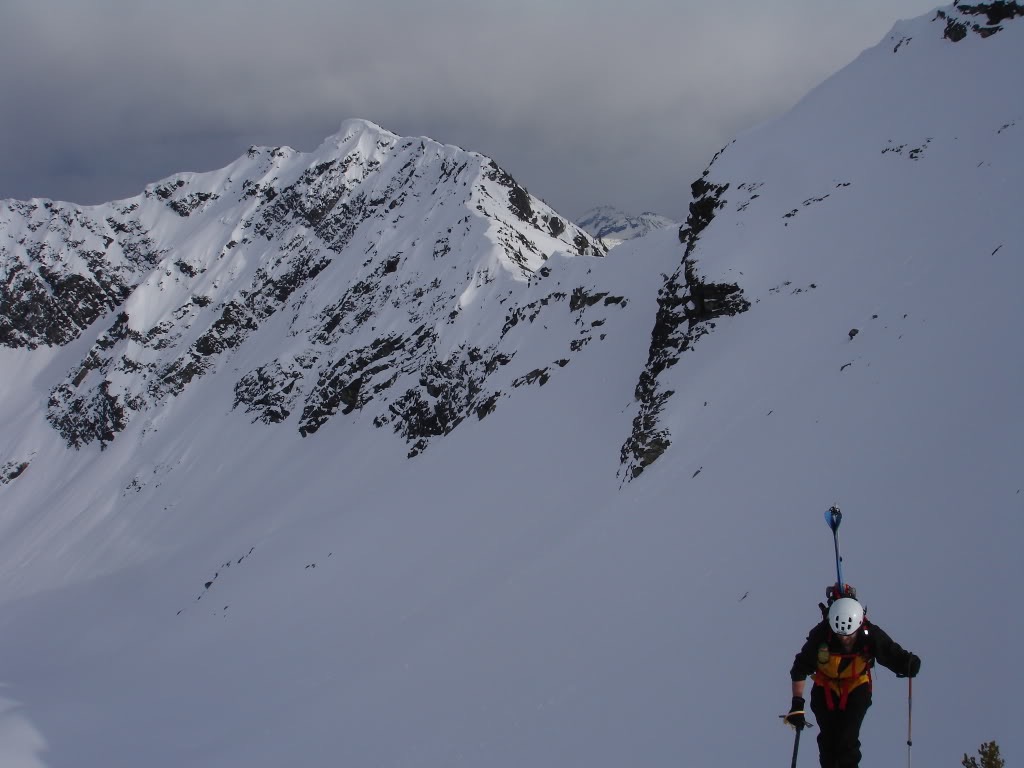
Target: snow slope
<point>617,563</point>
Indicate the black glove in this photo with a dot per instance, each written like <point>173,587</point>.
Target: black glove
<point>796,717</point>
<point>913,665</point>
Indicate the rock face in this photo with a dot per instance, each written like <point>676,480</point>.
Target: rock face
<point>366,275</point>
<point>687,308</point>
<point>983,19</point>
<point>64,267</point>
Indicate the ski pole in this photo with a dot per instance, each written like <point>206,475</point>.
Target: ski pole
<point>796,742</point>
<point>833,517</point>
<point>910,721</point>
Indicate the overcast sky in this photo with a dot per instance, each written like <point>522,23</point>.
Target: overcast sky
<point>583,101</point>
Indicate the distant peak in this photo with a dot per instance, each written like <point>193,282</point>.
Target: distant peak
<point>614,225</point>
<point>355,129</point>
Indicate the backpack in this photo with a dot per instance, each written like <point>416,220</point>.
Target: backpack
<point>832,593</point>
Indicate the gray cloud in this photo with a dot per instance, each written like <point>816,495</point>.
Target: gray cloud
<point>584,102</point>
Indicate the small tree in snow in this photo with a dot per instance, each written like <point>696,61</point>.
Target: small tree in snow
<point>989,754</point>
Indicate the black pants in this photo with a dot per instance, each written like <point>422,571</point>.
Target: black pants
<point>839,729</point>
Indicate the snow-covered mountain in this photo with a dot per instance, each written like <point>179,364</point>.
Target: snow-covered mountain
<point>376,273</point>
<point>613,226</point>
<point>367,457</point>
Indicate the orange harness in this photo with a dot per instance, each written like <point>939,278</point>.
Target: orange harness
<point>840,674</point>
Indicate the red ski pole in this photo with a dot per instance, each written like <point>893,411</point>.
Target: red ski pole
<point>910,720</point>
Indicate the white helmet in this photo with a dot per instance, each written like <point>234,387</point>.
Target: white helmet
<point>845,616</point>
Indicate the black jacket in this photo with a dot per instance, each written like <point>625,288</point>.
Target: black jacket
<point>871,641</point>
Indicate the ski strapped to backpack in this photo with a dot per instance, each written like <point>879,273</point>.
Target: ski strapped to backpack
<point>833,517</point>
<point>839,673</point>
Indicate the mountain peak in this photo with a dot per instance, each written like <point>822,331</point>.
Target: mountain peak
<point>437,245</point>
<point>356,130</point>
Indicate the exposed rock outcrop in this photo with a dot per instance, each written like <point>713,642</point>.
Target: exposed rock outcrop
<point>959,23</point>
<point>687,309</point>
